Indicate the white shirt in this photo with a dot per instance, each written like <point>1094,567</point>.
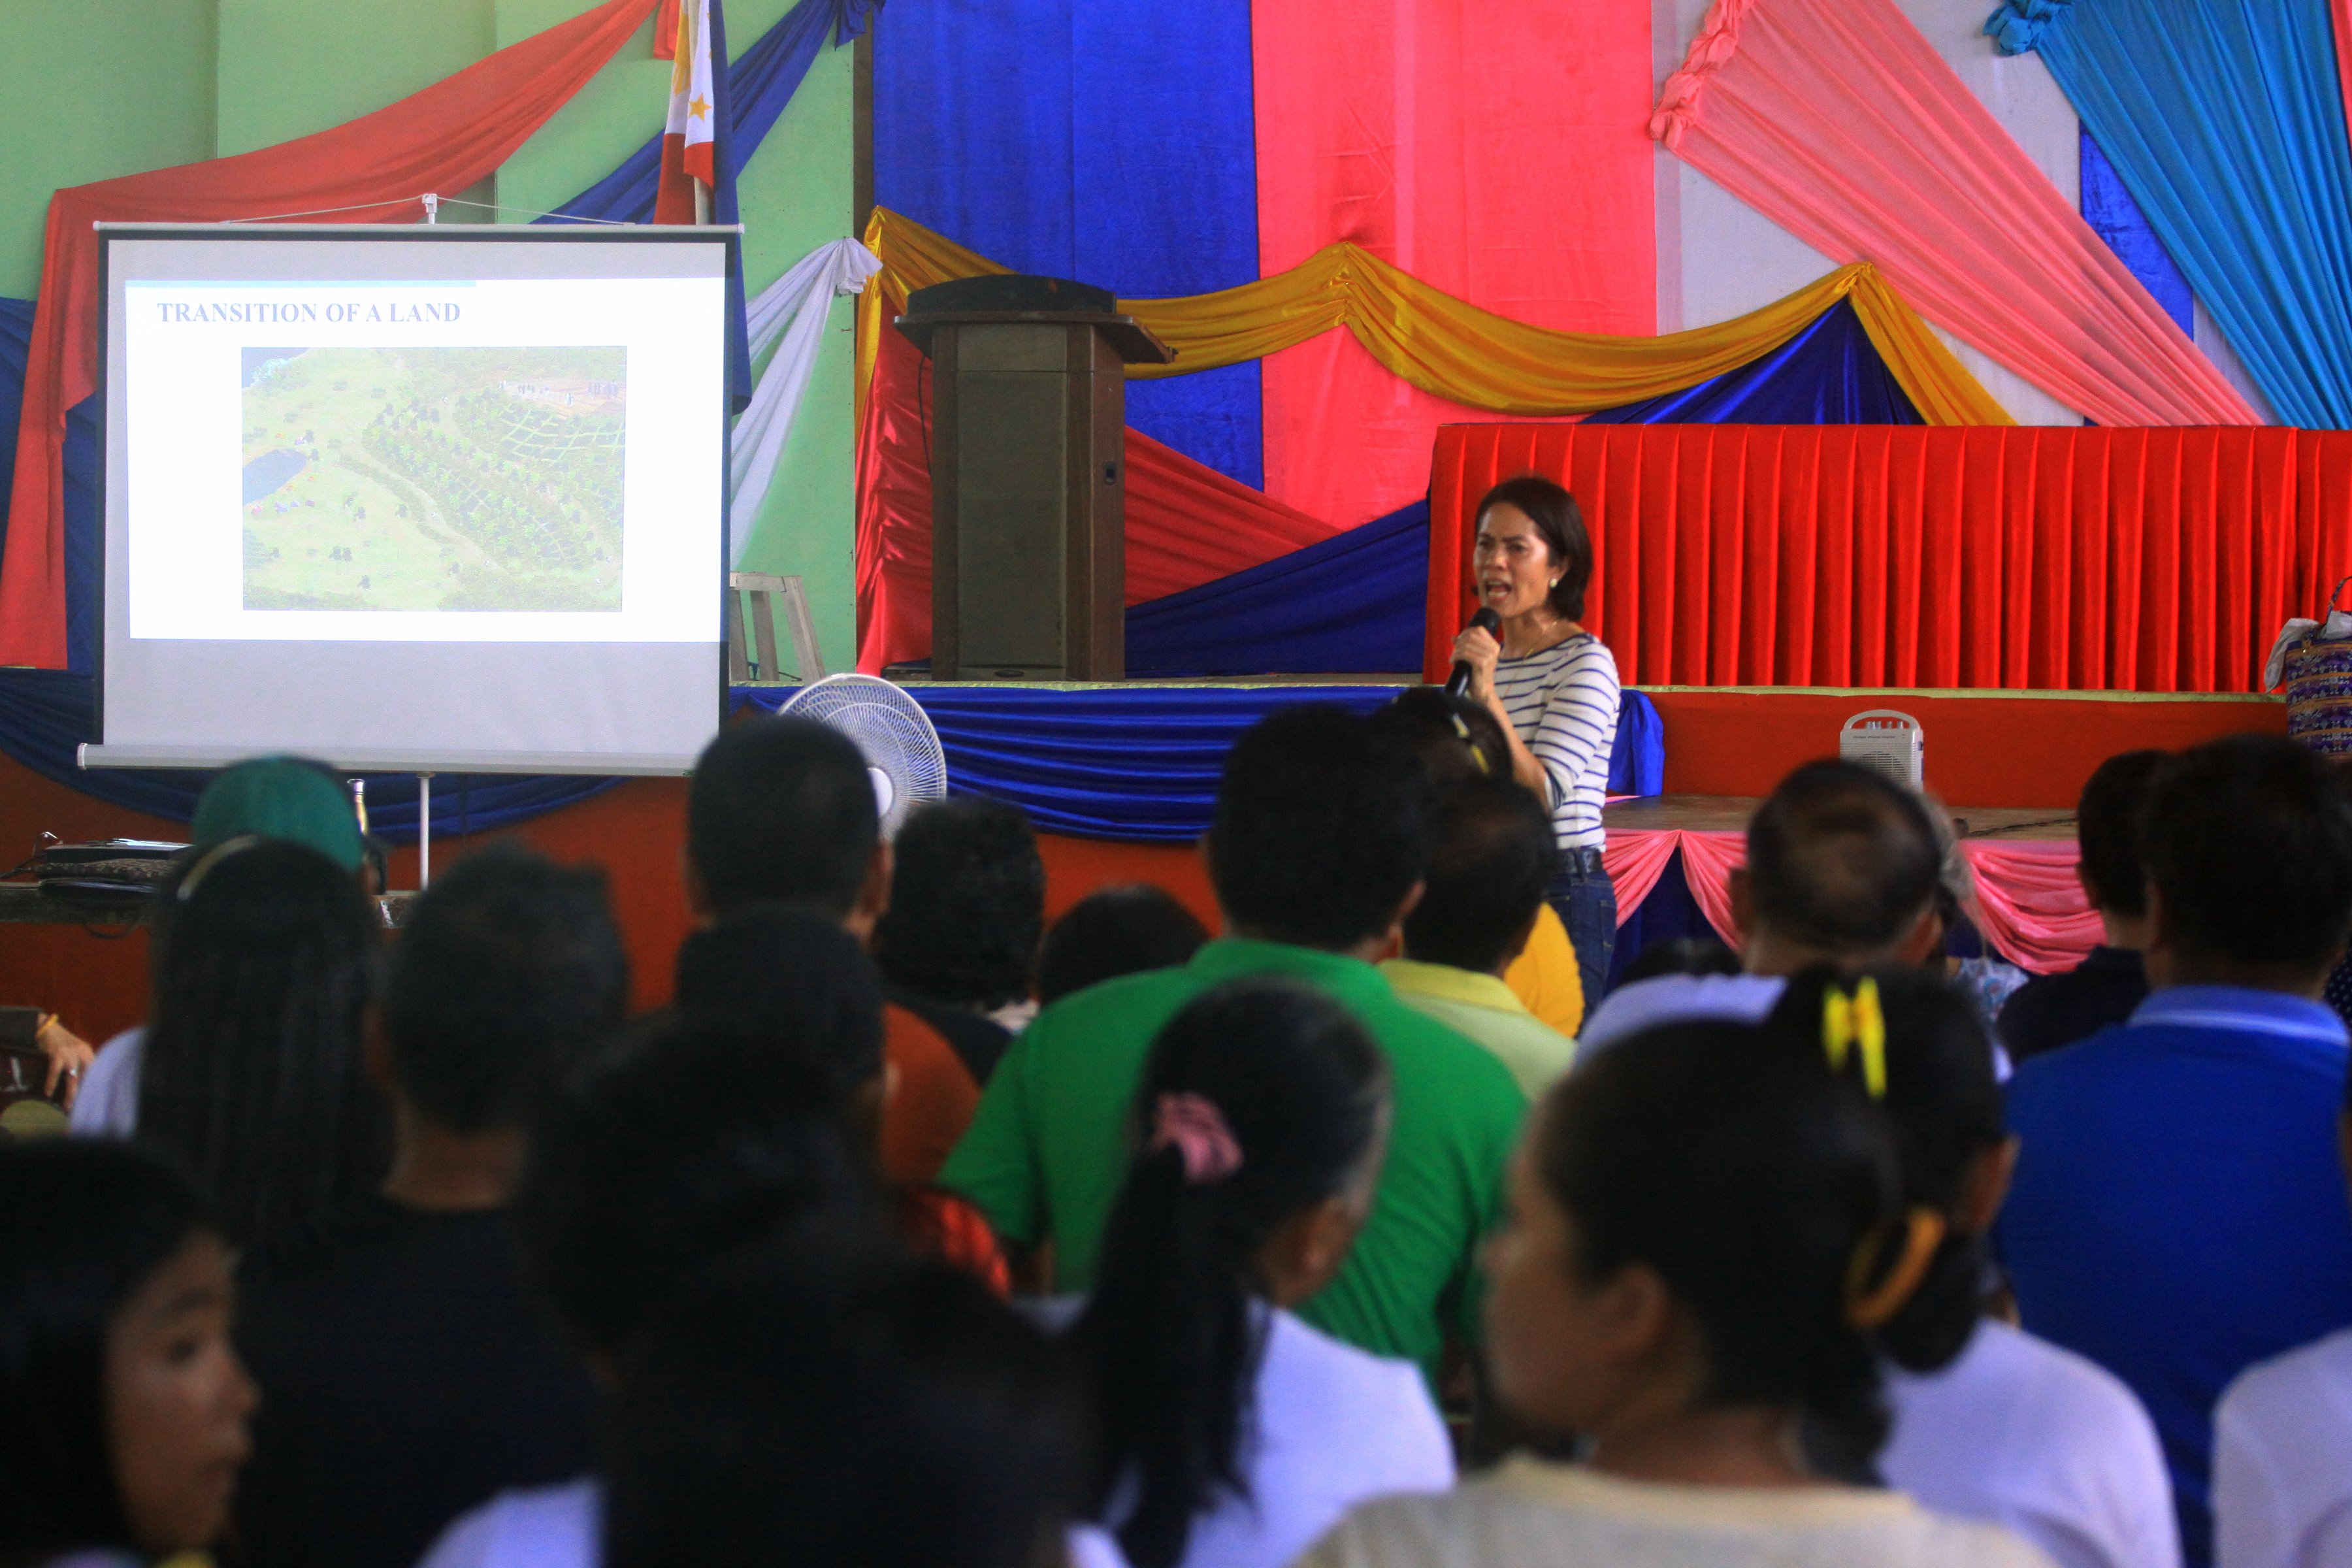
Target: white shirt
<point>1564,702</point>
<point>1333,1425</point>
<point>1530,1514</point>
<point>1678,999</point>
<point>2021,1434</point>
<point>108,1105</point>
<point>545,1527</point>
<point>555,1527</point>
<point>2282,1462</point>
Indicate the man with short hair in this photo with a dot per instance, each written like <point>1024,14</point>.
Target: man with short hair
<point>405,1375</point>
<point>2053,1010</point>
<point>1842,867</point>
<point>1493,856</point>
<point>1316,853</point>
<point>783,809</point>
<point>2177,1214</point>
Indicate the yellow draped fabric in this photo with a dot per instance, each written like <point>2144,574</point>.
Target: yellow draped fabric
<point>1451,348</point>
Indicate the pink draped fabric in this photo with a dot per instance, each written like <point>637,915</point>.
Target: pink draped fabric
<point>2030,904</point>
<point>1708,861</point>
<point>2340,12</point>
<point>1837,120</point>
<point>1635,862</point>
<point>2032,907</point>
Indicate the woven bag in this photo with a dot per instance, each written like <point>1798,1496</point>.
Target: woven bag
<point>2318,677</point>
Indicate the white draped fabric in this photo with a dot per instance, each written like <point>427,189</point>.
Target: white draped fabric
<point>788,316</point>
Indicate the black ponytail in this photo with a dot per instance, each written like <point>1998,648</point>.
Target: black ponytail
<point>1284,1079</point>
<point>1746,1179</point>
<point>1944,1112</point>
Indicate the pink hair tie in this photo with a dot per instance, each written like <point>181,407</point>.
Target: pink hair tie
<point>1193,1125</point>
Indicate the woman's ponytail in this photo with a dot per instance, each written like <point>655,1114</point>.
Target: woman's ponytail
<point>1261,1100</point>
<point>1926,1065</point>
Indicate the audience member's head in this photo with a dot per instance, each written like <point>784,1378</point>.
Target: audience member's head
<point>1692,955</point>
<point>1935,1081</point>
<point>1491,855</point>
<point>1261,1118</point>
<point>2247,845</point>
<point>1687,1219</point>
<point>2108,823</point>
<point>1321,831</point>
<point>683,1142</point>
<point>509,969</point>
<point>1112,931</point>
<point>792,979</point>
<point>291,798</point>
<point>265,958</point>
<point>122,1404</point>
<point>967,904</point>
<point>1842,867</point>
<point>782,808</point>
<point>1453,737</point>
<point>858,1411</point>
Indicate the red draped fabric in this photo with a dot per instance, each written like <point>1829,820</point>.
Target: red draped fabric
<point>1874,555</point>
<point>2029,904</point>
<point>442,138</point>
<point>1504,162</point>
<point>1186,524</point>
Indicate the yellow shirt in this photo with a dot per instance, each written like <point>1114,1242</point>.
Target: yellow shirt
<point>1545,977</point>
<point>1484,1008</point>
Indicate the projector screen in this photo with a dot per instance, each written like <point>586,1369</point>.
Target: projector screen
<point>415,498</point>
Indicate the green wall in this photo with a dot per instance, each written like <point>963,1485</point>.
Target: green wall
<point>145,84</point>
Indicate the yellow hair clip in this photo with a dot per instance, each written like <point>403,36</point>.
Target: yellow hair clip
<point>1848,1022</point>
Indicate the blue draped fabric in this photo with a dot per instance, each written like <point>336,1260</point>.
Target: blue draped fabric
<point>2225,119</point>
<point>1351,604</point>
<point>46,713</point>
<point>1830,373</point>
<point>2114,216</point>
<point>749,96</point>
<point>1141,763</point>
<point>1109,140</point>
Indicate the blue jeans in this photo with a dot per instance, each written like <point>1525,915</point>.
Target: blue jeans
<point>1586,901</point>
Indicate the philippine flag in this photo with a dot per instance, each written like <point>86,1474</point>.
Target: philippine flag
<point>686,156</point>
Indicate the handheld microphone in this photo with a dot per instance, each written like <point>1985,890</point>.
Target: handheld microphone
<point>1486,620</point>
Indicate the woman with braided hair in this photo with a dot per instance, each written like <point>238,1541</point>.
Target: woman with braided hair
<point>1230,1433</point>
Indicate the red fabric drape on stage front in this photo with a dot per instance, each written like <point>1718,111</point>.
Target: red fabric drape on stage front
<point>442,138</point>
<point>1873,555</point>
<point>1186,524</point>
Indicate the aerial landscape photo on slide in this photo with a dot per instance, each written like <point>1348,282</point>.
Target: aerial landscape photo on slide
<point>433,478</point>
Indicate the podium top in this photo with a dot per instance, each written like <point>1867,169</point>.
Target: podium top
<point>1134,341</point>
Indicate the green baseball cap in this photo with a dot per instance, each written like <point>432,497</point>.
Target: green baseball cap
<point>282,797</point>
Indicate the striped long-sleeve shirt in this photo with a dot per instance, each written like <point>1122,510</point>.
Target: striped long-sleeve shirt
<point>1564,702</point>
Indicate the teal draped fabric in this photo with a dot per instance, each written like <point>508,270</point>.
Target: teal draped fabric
<point>2225,119</point>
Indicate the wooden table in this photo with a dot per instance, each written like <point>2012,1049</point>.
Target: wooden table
<point>1730,814</point>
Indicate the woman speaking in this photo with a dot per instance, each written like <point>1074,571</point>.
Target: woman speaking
<point>1554,686</point>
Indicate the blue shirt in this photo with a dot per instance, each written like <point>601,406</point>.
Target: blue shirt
<point>2179,1211</point>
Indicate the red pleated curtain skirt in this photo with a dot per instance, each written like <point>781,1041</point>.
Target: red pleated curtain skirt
<point>2047,558</point>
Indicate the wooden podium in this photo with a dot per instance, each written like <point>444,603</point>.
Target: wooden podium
<point>1028,426</point>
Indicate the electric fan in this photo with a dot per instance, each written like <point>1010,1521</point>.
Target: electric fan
<point>902,751</point>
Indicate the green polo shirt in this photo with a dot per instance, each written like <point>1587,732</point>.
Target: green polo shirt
<point>1048,1150</point>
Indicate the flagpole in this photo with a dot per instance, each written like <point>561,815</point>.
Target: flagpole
<point>701,201</point>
